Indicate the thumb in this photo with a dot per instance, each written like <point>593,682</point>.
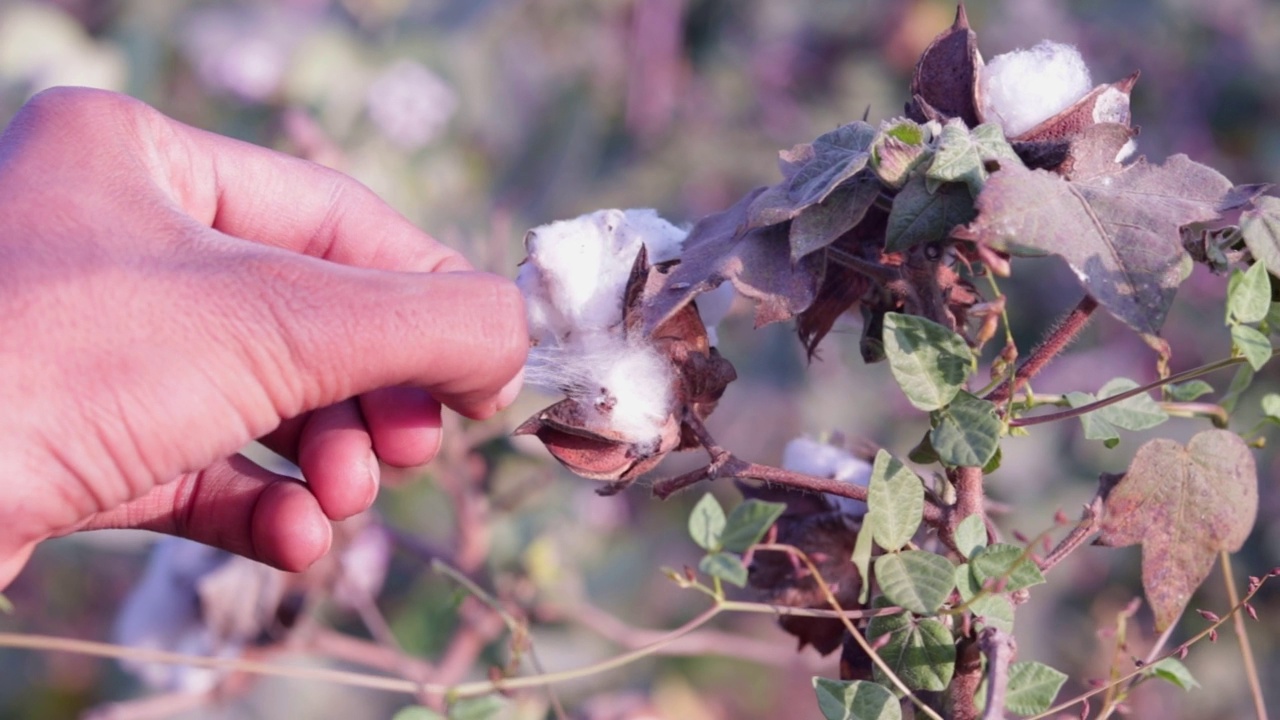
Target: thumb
<point>315,333</point>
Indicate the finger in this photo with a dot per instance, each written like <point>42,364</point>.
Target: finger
<point>404,424</point>
<point>235,505</point>
<point>335,454</point>
<point>241,189</point>
<point>459,336</point>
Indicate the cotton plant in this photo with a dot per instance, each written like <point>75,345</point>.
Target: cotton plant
<point>631,394</point>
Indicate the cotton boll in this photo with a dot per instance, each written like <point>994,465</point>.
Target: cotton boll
<point>810,457</point>
<point>625,387</point>
<point>661,239</point>
<point>1023,88</point>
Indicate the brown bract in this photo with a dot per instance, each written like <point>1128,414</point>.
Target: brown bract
<point>700,376</point>
<point>945,82</point>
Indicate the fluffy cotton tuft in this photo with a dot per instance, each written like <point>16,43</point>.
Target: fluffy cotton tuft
<point>624,387</point>
<point>1023,88</point>
<point>577,269</point>
<point>811,457</point>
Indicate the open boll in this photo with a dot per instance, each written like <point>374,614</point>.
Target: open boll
<point>627,391</point>
<point>1023,88</point>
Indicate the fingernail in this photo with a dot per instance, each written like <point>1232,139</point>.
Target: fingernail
<point>375,478</point>
<point>508,393</point>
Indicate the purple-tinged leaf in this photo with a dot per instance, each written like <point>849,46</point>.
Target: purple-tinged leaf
<point>1184,504</point>
<point>821,224</point>
<point>920,216</point>
<point>1120,232</point>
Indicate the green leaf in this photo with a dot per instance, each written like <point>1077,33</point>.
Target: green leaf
<point>6,605</point>
<point>1260,226</point>
<point>1185,505</point>
<point>1270,408</point>
<point>748,523</point>
<point>920,651</point>
<point>971,535</point>
<point>417,712</point>
<point>481,708</point>
<point>1171,670</point>
<point>993,610</point>
<point>1249,295</point>
<point>863,546</point>
<point>1251,344</point>
<point>895,502</point>
<point>1008,562</point>
<point>1032,687</point>
<point>923,453</point>
<point>962,155</point>
<point>855,700</point>
<point>929,361</point>
<point>821,224</point>
<point>1188,391</point>
<point>1239,383</point>
<point>916,580</point>
<point>1139,412</point>
<point>726,566</point>
<point>966,433</point>
<point>706,523</point>
<point>919,216</point>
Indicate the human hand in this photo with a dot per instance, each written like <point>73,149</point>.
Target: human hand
<point>168,295</point>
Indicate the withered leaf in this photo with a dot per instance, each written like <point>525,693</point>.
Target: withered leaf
<point>757,262</point>
<point>824,164</point>
<point>1120,232</point>
<point>945,82</point>
<point>842,286</point>
<point>1184,505</point>
<point>827,538</point>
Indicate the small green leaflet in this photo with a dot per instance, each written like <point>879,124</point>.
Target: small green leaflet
<point>966,433</point>
<point>706,523</point>
<point>856,700</point>
<point>920,651</point>
<point>1270,408</point>
<point>917,580</point>
<point>748,523</point>
<point>971,535</point>
<point>1239,383</point>
<point>1188,391</point>
<point>1006,562</point>
<point>1248,295</point>
<point>6,605</point>
<point>1260,226</point>
<point>481,708</point>
<point>725,565</point>
<point>1173,671</point>
<point>1032,687</point>
<point>962,155</point>
<point>418,712</point>
<point>895,502</point>
<point>1139,412</point>
<point>863,546</point>
<point>930,362</point>
<point>1251,344</point>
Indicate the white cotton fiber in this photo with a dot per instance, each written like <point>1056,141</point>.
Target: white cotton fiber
<point>810,457</point>
<point>1023,88</point>
<point>574,277</point>
<point>625,387</point>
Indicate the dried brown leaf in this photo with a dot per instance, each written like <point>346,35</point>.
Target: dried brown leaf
<point>1184,504</point>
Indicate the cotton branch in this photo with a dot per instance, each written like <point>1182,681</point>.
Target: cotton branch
<point>725,464</point>
<point>999,648</point>
<point>1063,333</point>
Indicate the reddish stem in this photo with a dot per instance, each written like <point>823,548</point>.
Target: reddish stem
<point>1062,334</point>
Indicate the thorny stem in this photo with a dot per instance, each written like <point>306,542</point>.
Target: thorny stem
<point>1085,409</point>
<point>1000,649</point>
<point>1242,635</point>
<point>1090,519</point>
<point>1059,338</point>
<point>1213,627</point>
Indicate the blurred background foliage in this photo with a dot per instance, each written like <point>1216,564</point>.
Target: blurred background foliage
<point>481,118</point>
